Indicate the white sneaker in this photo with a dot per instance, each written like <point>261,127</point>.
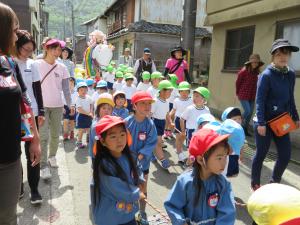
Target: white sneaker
<point>182,157</point>
<point>52,162</point>
<point>45,173</point>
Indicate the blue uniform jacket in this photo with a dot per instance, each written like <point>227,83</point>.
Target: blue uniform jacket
<point>144,139</point>
<point>275,95</point>
<point>122,112</point>
<point>215,206</point>
<point>119,199</point>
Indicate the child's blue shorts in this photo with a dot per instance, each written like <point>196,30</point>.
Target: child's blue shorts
<point>83,121</point>
<point>160,126</point>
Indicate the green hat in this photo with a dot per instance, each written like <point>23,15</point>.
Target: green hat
<point>128,76</point>
<point>156,74</point>
<point>165,84</point>
<point>173,80</point>
<point>119,74</point>
<point>184,86</point>
<point>129,70</point>
<point>110,68</point>
<point>203,91</point>
<point>146,75</point>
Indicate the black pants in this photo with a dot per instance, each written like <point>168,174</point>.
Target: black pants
<point>33,173</point>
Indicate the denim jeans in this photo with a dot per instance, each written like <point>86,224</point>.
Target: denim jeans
<point>283,147</point>
<point>248,107</point>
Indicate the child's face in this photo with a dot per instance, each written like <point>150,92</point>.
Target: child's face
<point>82,91</point>
<point>120,101</point>
<point>198,99</point>
<point>237,119</point>
<point>120,79</point>
<point>165,93</point>
<point>101,90</point>
<point>129,82</point>
<point>216,162</point>
<point>115,140</point>
<point>105,109</point>
<point>146,81</point>
<point>143,108</point>
<point>184,94</point>
<point>155,82</point>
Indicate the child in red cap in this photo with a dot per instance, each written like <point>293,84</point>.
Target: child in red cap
<point>202,195</point>
<point>115,192</point>
<point>144,134</point>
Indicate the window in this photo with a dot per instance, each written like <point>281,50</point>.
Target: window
<point>239,46</point>
<point>291,30</point>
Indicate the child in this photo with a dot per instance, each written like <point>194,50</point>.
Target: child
<point>202,195</point>
<point>204,119</point>
<point>235,114</point>
<point>188,119</point>
<point>155,79</point>
<point>120,102</point>
<point>173,79</point>
<point>161,117</point>
<point>119,81</point>
<point>90,83</point>
<point>131,70</point>
<point>145,84</point>
<point>109,77</point>
<point>101,87</point>
<point>69,119</point>
<point>144,134</point>
<point>115,192</point>
<point>84,107</point>
<point>275,204</point>
<point>104,106</point>
<point>180,104</point>
<point>129,89</point>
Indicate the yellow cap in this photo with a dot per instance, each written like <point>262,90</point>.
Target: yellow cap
<point>105,98</point>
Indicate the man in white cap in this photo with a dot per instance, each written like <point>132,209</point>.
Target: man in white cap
<point>126,59</point>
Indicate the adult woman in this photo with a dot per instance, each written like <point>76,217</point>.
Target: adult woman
<point>12,91</point>
<point>177,65</point>
<point>246,87</point>
<point>66,59</point>
<point>54,80</point>
<point>275,95</point>
<point>25,45</point>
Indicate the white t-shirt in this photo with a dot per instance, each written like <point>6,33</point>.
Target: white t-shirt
<point>109,77</point>
<point>160,109</point>
<point>74,96</point>
<point>180,105</point>
<point>52,85</point>
<point>129,91</point>
<point>29,74</point>
<point>174,95</point>
<point>117,86</point>
<point>84,103</point>
<point>143,87</point>
<point>191,114</point>
<point>90,92</point>
<point>153,91</point>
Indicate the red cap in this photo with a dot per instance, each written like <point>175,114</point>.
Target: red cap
<point>141,96</point>
<point>107,122</point>
<point>295,221</point>
<point>203,140</point>
<point>55,41</point>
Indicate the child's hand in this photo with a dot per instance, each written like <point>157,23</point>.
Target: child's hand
<point>142,196</point>
<point>72,111</point>
<point>140,157</point>
<point>91,115</point>
<point>172,125</point>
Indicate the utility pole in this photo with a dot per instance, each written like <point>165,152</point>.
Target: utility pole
<point>188,31</point>
<point>72,21</point>
<point>64,20</point>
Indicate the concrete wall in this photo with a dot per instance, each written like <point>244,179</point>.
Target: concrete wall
<point>222,84</point>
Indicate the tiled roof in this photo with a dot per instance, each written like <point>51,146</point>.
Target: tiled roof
<point>148,27</point>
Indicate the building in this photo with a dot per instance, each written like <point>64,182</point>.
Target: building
<point>242,27</point>
<point>97,23</point>
<point>137,24</point>
<point>32,17</point>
